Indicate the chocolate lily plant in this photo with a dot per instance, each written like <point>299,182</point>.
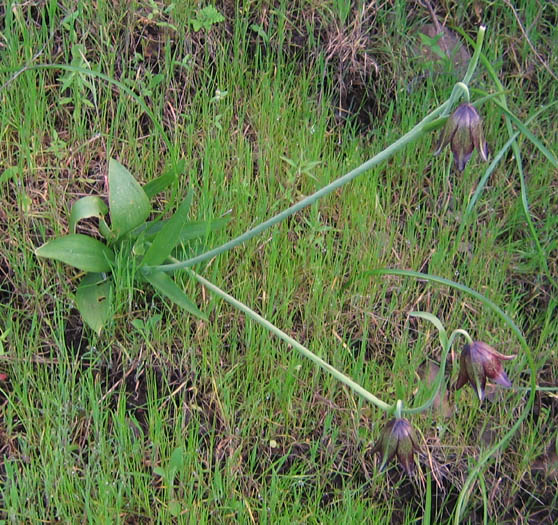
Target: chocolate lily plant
<point>140,239</point>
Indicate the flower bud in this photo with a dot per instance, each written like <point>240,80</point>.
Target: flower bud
<point>398,437</point>
<point>463,131</point>
<point>479,361</point>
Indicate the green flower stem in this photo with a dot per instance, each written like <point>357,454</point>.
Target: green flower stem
<point>476,56</point>
<point>355,387</point>
<point>424,126</point>
<point>398,409</point>
<point>409,137</point>
<point>441,372</point>
<point>462,87</point>
<point>460,331</point>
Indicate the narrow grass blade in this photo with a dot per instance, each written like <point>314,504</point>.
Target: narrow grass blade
<point>97,74</point>
<point>167,287</point>
<point>529,134</point>
<point>168,178</point>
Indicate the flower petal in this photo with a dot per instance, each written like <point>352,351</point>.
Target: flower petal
<point>502,379</point>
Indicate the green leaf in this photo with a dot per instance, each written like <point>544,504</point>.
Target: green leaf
<point>206,17</point>
<point>8,173</point>
<point>169,235</point>
<point>167,287</point>
<point>129,205</point>
<point>160,471</point>
<point>177,459</point>
<point>165,180</point>
<point>175,508</point>
<point>436,322</point>
<point>529,134</point>
<point>85,208</point>
<point>197,229</point>
<point>93,300</point>
<point>191,230</point>
<point>80,251</point>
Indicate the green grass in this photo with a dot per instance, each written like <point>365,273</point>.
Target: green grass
<point>265,436</point>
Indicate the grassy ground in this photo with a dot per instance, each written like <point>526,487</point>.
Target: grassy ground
<point>218,421</point>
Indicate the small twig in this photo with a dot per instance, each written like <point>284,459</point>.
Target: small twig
<point>539,57</point>
<point>26,66</point>
<point>122,379</point>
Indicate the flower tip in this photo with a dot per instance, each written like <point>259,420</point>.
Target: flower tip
<point>480,393</point>
<point>502,379</point>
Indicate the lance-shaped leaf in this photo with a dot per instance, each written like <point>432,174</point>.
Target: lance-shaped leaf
<point>168,178</point>
<point>80,251</point>
<point>169,235</point>
<point>128,203</point>
<point>192,230</point>
<point>167,287</point>
<point>93,300</point>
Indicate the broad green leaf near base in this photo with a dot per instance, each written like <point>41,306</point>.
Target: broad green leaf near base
<point>93,300</point>
<point>167,287</point>
<point>80,251</point>
<point>128,203</point>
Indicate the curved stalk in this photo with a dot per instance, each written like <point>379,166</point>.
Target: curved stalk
<point>441,372</point>
<point>355,387</point>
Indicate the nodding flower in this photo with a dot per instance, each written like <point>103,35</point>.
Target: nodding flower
<point>398,438</point>
<point>463,132</point>
<point>478,362</point>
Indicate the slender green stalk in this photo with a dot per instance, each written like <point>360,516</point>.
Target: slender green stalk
<point>398,409</point>
<point>424,126</point>
<point>462,332</point>
<point>462,87</point>
<point>409,137</point>
<point>476,56</point>
<point>355,387</point>
<point>441,372</point>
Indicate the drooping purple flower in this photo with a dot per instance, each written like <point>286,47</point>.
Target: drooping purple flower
<point>478,362</point>
<point>398,438</point>
<point>463,132</point>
